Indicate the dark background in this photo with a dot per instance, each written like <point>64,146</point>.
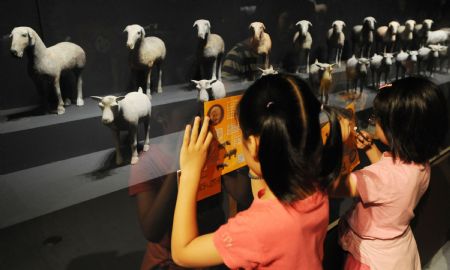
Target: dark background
<point>97,25</point>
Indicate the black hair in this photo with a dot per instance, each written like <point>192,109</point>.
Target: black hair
<point>413,116</point>
<point>284,113</point>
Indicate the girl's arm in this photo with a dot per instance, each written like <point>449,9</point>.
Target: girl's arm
<point>343,187</point>
<point>364,141</point>
<point>188,248</point>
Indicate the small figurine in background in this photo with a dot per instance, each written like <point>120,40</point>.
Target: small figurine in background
<point>420,32</point>
<point>405,62</point>
<point>336,40</point>
<point>217,89</point>
<point>406,34</point>
<point>387,36</point>
<point>124,113</point>
<point>357,70</point>
<point>260,41</point>
<point>210,46</point>
<point>379,65</point>
<point>145,53</point>
<point>50,62</point>
<point>321,78</point>
<point>270,70</point>
<point>303,43</point>
<point>363,37</point>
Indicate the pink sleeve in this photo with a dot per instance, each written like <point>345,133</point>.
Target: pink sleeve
<point>236,243</point>
<point>371,184</point>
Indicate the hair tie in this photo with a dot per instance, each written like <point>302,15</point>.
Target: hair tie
<point>270,103</point>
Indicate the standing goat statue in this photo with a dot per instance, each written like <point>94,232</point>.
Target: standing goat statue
<point>321,78</point>
<point>210,46</point>
<point>363,37</point>
<point>51,61</point>
<point>387,36</point>
<point>302,43</point>
<point>357,70</point>
<point>336,40</point>
<point>406,34</point>
<point>217,90</point>
<point>124,113</point>
<point>144,54</point>
<point>260,41</point>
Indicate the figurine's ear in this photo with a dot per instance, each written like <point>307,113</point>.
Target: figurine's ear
<point>31,38</point>
<point>142,32</point>
<point>375,21</point>
<point>97,98</point>
<point>297,24</point>
<point>125,30</point>
<point>119,98</point>
<point>343,24</point>
<point>208,24</point>
<point>194,81</point>
<point>10,35</point>
<point>195,24</point>
<point>263,26</point>
<point>261,69</point>
<point>310,24</point>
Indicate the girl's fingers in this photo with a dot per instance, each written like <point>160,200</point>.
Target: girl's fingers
<point>203,132</point>
<point>194,133</point>
<point>208,139</point>
<point>187,132</point>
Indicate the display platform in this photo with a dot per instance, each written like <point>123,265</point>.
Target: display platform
<point>50,162</point>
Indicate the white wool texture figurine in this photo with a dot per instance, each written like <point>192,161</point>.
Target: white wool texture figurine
<point>50,61</point>
<point>124,113</point>
<point>210,46</point>
<point>217,89</point>
<point>145,53</point>
<point>303,42</point>
<point>260,41</point>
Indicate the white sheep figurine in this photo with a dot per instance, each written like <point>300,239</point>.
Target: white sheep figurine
<point>444,56</point>
<point>434,57</point>
<point>210,46</point>
<point>50,61</point>
<point>321,78</point>
<point>363,37</point>
<point>437,37</point>
<point>269,71</point>
<point>336,40</point>
<point>260,41</point>
<point>420,30</point>
<point>379,65</point>
<point>405,62</point>
<point>424,56</point>
<point>387,36</point>
<point>357,70</point>
<point>217,89</point>
<point>124,113</point>
<point>145,53</point>
<point>303,42</point>
<point>406,34</point>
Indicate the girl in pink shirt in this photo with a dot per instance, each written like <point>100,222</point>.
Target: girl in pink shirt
<point>411,119</point>
<point>290,168</point>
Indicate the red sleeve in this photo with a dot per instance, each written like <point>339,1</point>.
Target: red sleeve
<point>236,243</point>
<point>372,183</point>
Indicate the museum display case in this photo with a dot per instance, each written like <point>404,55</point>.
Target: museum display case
<point>55,150</point>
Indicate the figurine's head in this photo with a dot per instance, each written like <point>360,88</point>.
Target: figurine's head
<point>109,106</point>
<point>413,55</point>
<point>279,119</point>
<point>370,22</point>
<point>202,87</point>
<point>427,23</point>
<point>435,49</point>
<point>257,30</point>
<point>303,27</point>
<point>135,32</point>
<point>408,113</point>
<point>393,28</point>
<point>338,26</point>
<point>364,64</point>
<point>410,24</point>
<point>268,71</point>
<point>21,38</point>
<point>203,28</point>
<point>388,58</point>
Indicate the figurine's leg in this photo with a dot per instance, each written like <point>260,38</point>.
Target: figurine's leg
<point>60,108</point>
<point>80,101</point>
<point>159,77</point>
<point>116,136</point>
<point>214,75</point>
<point>133,143</point>
<point>147,134</point>
<point>307,61</point>
<point>266,62</point>
<point>149,79</point>
<point>396,71</point>
<point>219,67</point>
<point>340,56</point>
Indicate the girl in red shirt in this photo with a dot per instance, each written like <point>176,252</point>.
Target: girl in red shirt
<point>290,168</point>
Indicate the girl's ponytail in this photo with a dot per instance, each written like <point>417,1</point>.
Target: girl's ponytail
<point>331,161</point>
